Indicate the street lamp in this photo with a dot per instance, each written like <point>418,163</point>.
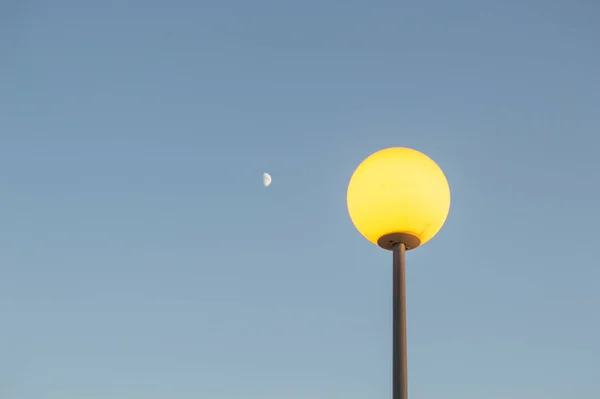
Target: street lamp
<point>398,198</point>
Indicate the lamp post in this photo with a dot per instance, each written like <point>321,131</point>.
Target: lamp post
<point>398,198</point>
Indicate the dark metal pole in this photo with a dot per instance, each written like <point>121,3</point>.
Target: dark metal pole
<point>399,371</point>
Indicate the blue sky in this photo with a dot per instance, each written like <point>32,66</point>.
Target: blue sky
<point>141,257</point>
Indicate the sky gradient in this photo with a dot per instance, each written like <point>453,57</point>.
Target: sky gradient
<point>141,257</point>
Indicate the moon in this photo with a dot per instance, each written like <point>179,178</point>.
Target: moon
<point>267,179</point>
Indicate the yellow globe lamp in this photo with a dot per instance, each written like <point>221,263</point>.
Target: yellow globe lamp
<point>398,198</point>
<point>398,195</point>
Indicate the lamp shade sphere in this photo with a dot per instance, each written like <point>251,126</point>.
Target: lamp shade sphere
<point>398,191</point>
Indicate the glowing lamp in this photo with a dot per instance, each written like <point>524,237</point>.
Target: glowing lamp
<point>398,194</point>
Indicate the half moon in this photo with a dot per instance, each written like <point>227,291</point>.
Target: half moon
<point>267,179</point>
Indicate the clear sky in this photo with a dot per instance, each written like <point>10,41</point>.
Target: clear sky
<point>141,257</point>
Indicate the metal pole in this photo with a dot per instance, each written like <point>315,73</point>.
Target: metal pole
<point>399,370</point>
